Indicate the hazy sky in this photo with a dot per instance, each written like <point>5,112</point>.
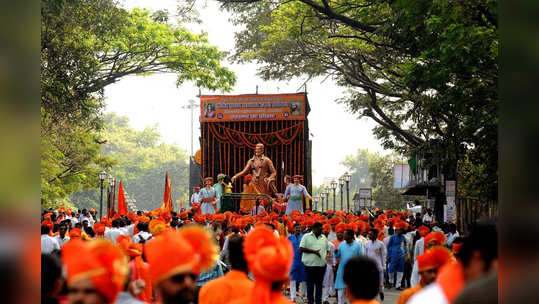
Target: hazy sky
<point>148,100</point>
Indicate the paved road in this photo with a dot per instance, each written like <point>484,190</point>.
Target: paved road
<point>391,297</point>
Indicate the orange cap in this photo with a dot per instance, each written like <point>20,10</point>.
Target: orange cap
<point>191,249</point>
<point>99,260</point>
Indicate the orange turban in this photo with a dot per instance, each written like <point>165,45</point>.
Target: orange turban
<point>183,215</point>
<point>340,227</point>
<point>219,217</point>
<point>157,226</point>
<point>99,228</point>
<point>434,258</point>
<point>329,211</point>
<point>191,249</point>
<point>99,260</point>
<point>144,219</point>
<point>438,238</point>
<point>334,221</point>
<point>326,228</point>
<point>401,225</point>
<point>423,230</point>
<point>269,259</point>
<point>123,242</point>
<point>134,250</point>
<point>75,233</point>
<point>364,226</point>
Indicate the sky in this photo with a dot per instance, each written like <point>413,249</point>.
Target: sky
<point>155,99</point>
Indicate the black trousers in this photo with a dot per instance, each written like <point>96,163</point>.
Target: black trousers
<point>315,278</point>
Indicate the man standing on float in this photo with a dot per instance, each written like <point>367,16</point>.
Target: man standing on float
<point>293,193</point>
<point>262,170</point>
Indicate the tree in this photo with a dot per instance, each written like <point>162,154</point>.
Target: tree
<point>87,45</point>
<point>70,160</point>
<point>425,71</point>
<point>141,162</point>
<point>374,171</point>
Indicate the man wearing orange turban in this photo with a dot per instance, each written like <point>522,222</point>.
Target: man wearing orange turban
<point>419,249</point>
<point>269,259</point>
<point>176,257</point>
<point>428,264</point>
<point>96,271</point>
<point>396,250</point>
<point>233,285</point>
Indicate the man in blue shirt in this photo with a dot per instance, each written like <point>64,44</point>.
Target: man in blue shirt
<point>396,250</point>
<point>347,250</point>
<point>297,272</point>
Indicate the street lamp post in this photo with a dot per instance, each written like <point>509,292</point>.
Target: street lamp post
<point>347,176</point>
<point>334,187</point>
<point>327,197</point>
<point>192,105</point>
<point>109,192</point>
<point>102,176</point>
<point>341,184</point>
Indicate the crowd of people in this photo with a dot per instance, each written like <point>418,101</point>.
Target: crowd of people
<point>164,256</point>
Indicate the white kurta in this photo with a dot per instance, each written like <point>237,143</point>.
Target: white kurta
<point>418,250</point>
<point>432,294</point>
<point>329,278</point>
<point>48,244</point>
<point>377,251</point>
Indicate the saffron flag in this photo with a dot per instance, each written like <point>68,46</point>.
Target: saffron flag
<point>167,197</point>
<point>122,205</point>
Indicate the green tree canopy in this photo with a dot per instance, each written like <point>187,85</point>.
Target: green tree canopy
<point>141,162</point>
<point>89,44</point>
<point>373,170</point>
<point>425,71</point>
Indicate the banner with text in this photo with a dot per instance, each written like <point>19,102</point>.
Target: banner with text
<point>252,107</point>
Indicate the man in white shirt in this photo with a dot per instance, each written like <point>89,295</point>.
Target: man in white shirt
<point>414,209</point>
<point>62,238</point>
<point>86,216</point>
<point>376,250</point>
<point>113,233</point>
<point>48,243</point>
<point>195,197</point>
<point>143,234</point>
<point>452,235</point>
<point>428,217</point>
<point>74,219</point>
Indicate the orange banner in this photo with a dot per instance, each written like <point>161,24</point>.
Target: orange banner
<point>252,107</point>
